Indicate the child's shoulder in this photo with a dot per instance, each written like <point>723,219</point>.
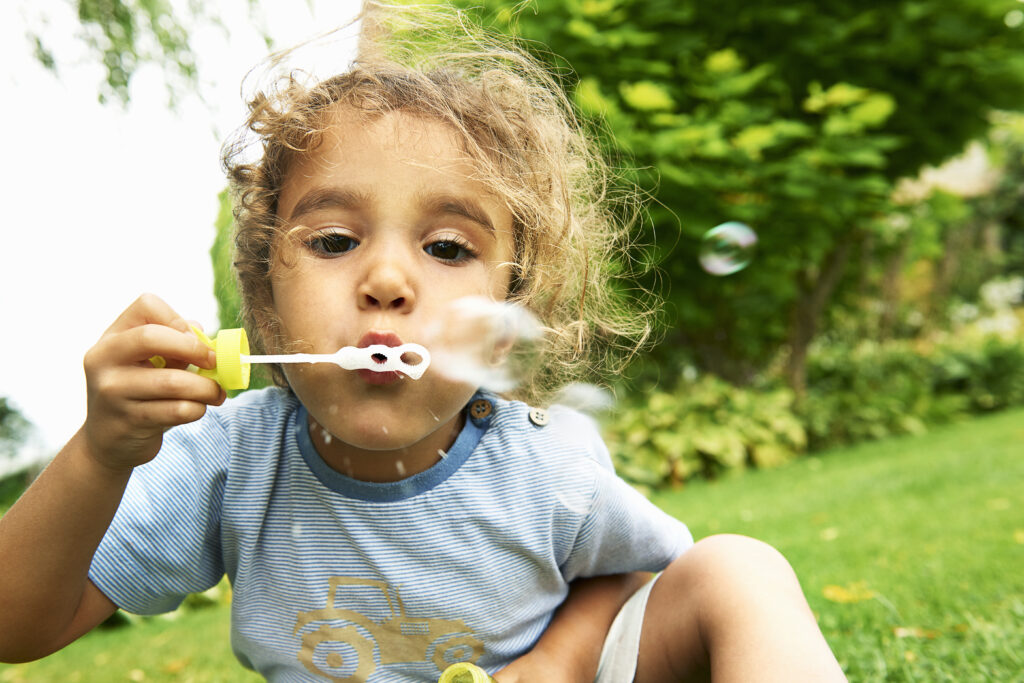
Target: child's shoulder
<point>555,429</point>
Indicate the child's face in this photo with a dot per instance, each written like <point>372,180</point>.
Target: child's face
<point>390,229</point>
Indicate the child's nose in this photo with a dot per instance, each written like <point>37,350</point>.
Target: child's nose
<point>386,287</point>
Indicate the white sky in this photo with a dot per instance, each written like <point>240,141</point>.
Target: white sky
<point>102,203</point>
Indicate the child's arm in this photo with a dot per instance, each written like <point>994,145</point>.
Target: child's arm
<point>48,538</point>
<point>569,650</point>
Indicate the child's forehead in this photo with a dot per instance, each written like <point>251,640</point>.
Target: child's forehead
<point>400,127</point>
<point>353,146</point>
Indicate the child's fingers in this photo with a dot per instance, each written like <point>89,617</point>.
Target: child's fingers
<point>149,309</point>
<point>149,384</point>
<point>139,344</point>
<point>165,413</point>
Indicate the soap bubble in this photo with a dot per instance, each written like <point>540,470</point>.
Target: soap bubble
<point>727,248</point>
<point>488,344</point>
<point>586,398</point>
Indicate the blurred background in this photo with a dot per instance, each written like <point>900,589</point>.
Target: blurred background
<point>836,225</point>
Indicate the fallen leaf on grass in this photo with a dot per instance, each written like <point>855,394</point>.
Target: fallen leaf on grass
<point>915,632</point>
<point>1018,536</point>
<point>851,593</point>
<point>177,666</point>
<point>909,656</point>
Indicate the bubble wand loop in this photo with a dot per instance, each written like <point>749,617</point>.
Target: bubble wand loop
<point>376,357</point>
<point>234,361</point>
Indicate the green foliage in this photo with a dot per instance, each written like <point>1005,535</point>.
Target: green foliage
<point>989,375</point>
<point>702,428</point>
<point>14,428</point>
<point>123,35</point>
<point>225,287</point>
<point>1005,205</point>
<point>11,489</point>
<point>856,392</point>
<point>794,117</point>
<point>870,390</point>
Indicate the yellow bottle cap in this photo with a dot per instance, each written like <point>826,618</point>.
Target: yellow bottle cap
<point>230,345</point>
<point>464,672</point>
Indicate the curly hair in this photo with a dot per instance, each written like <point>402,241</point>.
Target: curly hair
<point>571,218</point>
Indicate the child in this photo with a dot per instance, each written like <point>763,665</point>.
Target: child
<point>375,528</point>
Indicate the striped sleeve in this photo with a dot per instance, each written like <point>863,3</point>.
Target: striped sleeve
<point>624,532</point>
<point>164,541</point>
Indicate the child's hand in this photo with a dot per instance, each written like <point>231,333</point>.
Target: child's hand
<point>130,402</point>
<point>537,666</point>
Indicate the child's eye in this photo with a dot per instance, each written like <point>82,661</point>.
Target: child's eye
<point>332,243</point>
<point>450,249</point>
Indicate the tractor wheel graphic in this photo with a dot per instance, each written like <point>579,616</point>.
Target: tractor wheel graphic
<point>457,649</point>
<point>343,655</point>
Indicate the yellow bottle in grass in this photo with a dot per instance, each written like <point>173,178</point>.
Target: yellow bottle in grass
<point>465,673</point>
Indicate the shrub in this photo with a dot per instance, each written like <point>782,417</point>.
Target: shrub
<point>989,375</point>
<point>875,390</point>
<point>872,391</point>
<point>707,427</point>
<point>702,428</point>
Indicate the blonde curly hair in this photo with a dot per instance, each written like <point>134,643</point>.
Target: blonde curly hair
<point>571,218</point>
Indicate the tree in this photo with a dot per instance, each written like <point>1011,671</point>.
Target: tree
<point>14,429</point>
<point>123,35</point>
<point>794,117</point>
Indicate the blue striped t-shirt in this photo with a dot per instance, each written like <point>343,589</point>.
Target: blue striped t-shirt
<point>336,579</point>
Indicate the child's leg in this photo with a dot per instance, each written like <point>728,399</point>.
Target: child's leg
<point>731,609</point>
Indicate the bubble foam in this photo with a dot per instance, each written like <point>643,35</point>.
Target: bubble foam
<point>485,343</point>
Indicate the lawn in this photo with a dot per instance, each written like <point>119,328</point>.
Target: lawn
<point>911,552</point>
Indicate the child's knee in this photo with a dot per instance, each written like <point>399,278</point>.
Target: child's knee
<point>732,564</point>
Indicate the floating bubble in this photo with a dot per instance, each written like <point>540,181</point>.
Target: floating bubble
<point>727,248</point>
<point>489,344</point>
<point>586,398</point>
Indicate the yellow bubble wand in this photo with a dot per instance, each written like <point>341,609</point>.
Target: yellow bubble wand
<point>234,362</point>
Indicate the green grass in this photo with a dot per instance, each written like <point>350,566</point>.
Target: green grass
<point>192,647</point>
<point>923,536</point>
<point>911,552</point>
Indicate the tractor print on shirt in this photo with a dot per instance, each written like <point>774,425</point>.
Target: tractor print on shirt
<point>347,647</point>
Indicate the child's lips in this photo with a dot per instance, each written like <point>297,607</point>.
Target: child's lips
<point>379,378</point>
<point>379,337</point>
<point>372,338</point>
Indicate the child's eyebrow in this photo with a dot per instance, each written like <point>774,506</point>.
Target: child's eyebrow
<point>460,206</point>
<point>328,198</point>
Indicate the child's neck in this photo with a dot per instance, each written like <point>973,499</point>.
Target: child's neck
<point>385,466</point>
